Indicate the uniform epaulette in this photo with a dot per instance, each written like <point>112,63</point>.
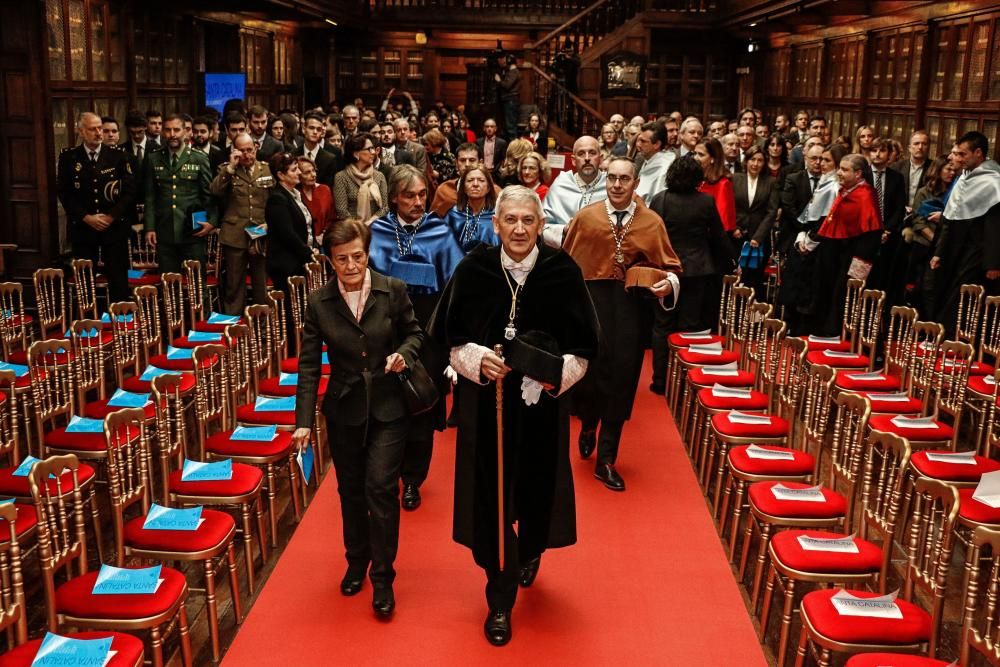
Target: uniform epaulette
<point>67,149</point>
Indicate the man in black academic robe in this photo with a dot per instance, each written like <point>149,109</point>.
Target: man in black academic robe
<point>547,337</point>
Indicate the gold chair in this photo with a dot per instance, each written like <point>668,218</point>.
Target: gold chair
<point>276,299</point>
<point>261,351</point>
<point>142,256</point>
<point>865,337</point>
<point>15,327</point>
<point>211,543</point>
<point>297,295</point>
<point>930,546</point>
<point>85,283</point>
<point>970,312</point>
<point>62,542</point>
<point>173,306</point>
<point>981,387</point>
<point>849,325</point>
<point>898,353</point>
<point>212,265</point>
<point>315,276</point>
<point>50,298</point>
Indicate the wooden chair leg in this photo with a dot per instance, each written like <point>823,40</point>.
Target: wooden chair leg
<point>96,517</point>
<point>156,643</point>
<point>182,625</point>
<point>762,555</point>
<point>787,610</point>
<point>272,504</point>
<point>234,583</point>
<point>293,485</point>
<point>212,608</point>
<point>800,653</point>
<point>261,532</point>
<point>745,552</point>
<point>248,546</point>
<point>739,490</point>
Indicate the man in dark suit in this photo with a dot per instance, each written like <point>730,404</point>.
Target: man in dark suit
<point>392,154</point>
<point>328,159</point>
<point>914,168</point>
<point>201,133</point>
<point>138,145</point>
<point>890,191</point>
<point>97,189</point>
<point>154,126</point>
<point>402,130</point>
<point>491,147</point>
<point>265,143</point>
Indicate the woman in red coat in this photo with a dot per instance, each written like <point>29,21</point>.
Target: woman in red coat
<point>317,197</point>
<point>717,183</point>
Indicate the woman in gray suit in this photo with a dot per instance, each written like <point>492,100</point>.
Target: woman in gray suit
<point>757,194</point>
<point>366,321</point>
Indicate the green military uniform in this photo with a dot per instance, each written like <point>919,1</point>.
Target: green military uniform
<point>243,194</point>
<point>89,186</point>
<point>175,190</point>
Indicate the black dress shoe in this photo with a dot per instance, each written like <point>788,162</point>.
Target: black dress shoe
<point>606,473</point>
<point>588,442</point>
<point>383,601</point>
<point>352,581</point>
<point>660,389</point>
<point>529,572</point>
<point>497,627</point>
<point>411,497</point>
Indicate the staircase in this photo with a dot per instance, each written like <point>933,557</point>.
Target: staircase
<point>582,39</point>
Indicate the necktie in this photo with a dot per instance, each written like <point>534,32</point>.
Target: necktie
<point>815,182</point>
<point>880,190</point>
<point>138,153</point>
<point>93,157</point>
<point>388,160</point>
<point>621,217</point>
<point>173,161</point>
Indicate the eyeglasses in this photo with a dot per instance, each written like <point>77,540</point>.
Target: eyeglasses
<point>370,149</point>
<point>624,180</point>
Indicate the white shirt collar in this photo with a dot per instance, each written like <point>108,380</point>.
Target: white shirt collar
<point>630,209</point>
<point>96,151</point>
<point>519,270</point>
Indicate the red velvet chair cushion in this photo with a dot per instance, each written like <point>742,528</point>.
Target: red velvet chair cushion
<point>161,361</point>
<point>214,530</point>
<point>911,406</point>
<point>756,401</point>
<point>212,328</point>
<point>940,432</point>
<point>700,377</point>
<point>75,598</point>
<point>677,339</point>
<point>145,279</point>
<point>82,442</point>
<point>786,548</point>
<point>973,510</point>
<point>893,660</point>
<point>128,649</point>
<point>246,414</point>
<point>101,409</point>
<point>952,472</point>
<point>186,344</point>
<point>138,386</point>
<point>913,628</point>
<point>271,387</point>
<point>976,368</point>
<point>701,359</point>
<point>821,346</point>
<point>802,464</point>
<point>23,382</point>
<point>778,428</point>
<point>223,445</point>
<point>977,383</point>
<point>820,357</point>
<point>763,499</point>
<point>292,366</point>
<point>26,519</point>
<point>886,383</point>
<point>246,479</point>
<point>18,487</point>
<point>20,357</point>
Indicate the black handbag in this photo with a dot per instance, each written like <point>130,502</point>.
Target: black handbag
<point>419,391</point>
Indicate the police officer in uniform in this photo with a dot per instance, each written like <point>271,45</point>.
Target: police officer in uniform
<point>177,181</point>
<point>97,188</point>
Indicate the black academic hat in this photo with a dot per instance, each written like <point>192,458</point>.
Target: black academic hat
<point>535,354</point>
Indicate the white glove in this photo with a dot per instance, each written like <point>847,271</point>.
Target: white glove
<point>451,374</point>
<point>531,390</point>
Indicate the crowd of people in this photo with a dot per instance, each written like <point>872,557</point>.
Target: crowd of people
<point>461,256</point>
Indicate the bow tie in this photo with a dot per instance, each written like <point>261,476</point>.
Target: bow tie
<point>516,266</point>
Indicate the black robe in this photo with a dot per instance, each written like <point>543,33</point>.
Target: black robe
<point>968,249</point>
<point>538,480</point>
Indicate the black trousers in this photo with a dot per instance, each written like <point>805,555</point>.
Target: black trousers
<point>367,469</point>
<point>608,438</point>
<point>501,585</point>
<point>237,262</point>
<point>109,246</point>
<point>420,447</point>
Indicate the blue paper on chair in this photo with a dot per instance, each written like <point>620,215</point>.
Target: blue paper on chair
<point>171,518</point>
<point>83,334</point>
<point>79,424</point>
<point>204,337</point>
<point>127,317</point>
<point>19,370</point>
<point>6,501</point>
<point>128,399</point>
<point>305,458</point>
<point>283,404</point>
<point>24,469</point>
<point>127,581</point>
<point>288,379</point>
<point>201,471</point>
<point>152,372</point>
<point>136,274</point>
<point>255,433</point>
<point>325,359</point>
<point>175,353</point>
<point>220,318</point>
<point>69,652</point>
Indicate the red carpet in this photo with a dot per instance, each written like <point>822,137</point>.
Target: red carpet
<point>646,583</point>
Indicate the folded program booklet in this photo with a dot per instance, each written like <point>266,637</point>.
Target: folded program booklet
<point>883,606</point>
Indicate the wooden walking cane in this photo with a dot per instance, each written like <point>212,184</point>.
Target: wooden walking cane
<point>498,350</point>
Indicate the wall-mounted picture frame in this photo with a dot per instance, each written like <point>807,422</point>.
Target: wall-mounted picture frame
<point>623,74</point>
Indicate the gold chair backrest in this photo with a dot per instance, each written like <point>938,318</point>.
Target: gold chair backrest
<point>212,254</point>
<point>993,419</point>
<point>89,357</point>
<point>61,534</point>
<point>51,384</point>
<point>790,375</point>
<point>276,299</point>
<point>212,398</point>
<point>125,330</point>
<point>261,350</point>
<point>869,322</point>
<point>847,451</point>
<point>951,383</point>
<point>726,304</point>
<point>14,331</point>
<point>128,468</point>
<point>754,333</point>
<point>13,609</point>
<point>970,312</point>
<point>195,290</point>
<point>899,342</point>
<point>173,304</point>
<point>886,460</point>
<point>315,276</point>
<point>739,317</point>
<point>930,546</point>
<point>981,617</point>
<point>50,298</point>
<point>85,286</point>
<point>9,427</point>
<point>814,409</point>
<point>171,429</point>
<point>989,346</point>
<point>239,370</point>
<point>925,352</point>
<point>297,294</point>
<point>768,355</point>
<point>852,309</point>
<point>141,254</point>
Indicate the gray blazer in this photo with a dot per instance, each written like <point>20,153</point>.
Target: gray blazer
<point>359,387</point>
